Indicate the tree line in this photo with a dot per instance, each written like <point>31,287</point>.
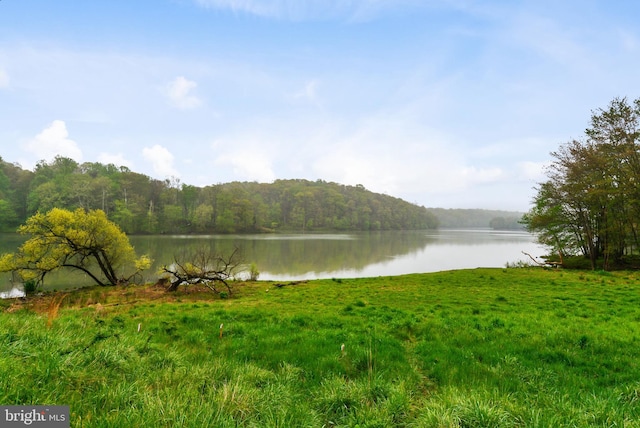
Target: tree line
<point>478,218</point>
<point>590,203</point>
<point>139,204</point>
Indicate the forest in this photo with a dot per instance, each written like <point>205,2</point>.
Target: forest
<point>140,204</point>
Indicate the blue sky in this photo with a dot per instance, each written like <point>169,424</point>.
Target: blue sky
<point>445,103</point>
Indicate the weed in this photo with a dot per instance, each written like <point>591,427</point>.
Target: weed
<point>54,306</point>
<point>583,341</point>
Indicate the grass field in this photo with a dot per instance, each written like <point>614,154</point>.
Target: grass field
<point>472,348</point>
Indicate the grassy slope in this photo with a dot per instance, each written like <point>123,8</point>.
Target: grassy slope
<point>474,348</point>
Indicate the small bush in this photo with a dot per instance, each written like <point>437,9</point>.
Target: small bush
<point>30,286</point>
<point>254,273</point>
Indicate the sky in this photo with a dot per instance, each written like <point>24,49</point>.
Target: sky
<point>444,103</point>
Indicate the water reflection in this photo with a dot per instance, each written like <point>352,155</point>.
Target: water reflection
<point>300,256</point>
<point>14,292</point>
<point>295,255</point>
<point>310,256</point>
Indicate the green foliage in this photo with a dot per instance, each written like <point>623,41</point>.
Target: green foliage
<point>8,216</point>
<point>13,184</point>
<point>30,286</point>
<point>473,348</point>
<point>254,273</point>
<point>86,241</point>
<point>139,204</point>
<point>590,204</point>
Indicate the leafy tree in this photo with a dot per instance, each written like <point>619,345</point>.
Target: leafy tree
<point>82,240</point>
<point>173,219</point>
<point>55,185</point>
<point>8,216</point>
<point>123,216</point>
<point>189,198</point>
<point>549,220</point>
<point>16,190</point>
<point>203,217</point>
<point>590,203</point>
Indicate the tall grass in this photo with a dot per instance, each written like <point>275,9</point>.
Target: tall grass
<point>477,348</point>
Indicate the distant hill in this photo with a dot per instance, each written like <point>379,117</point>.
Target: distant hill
<point>468,218</point>
<point>140,204</point>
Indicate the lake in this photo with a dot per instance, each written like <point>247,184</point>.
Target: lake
<point>284,257</point>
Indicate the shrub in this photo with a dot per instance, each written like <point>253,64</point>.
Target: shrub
<point>254,273</point>
<point>30,286</point>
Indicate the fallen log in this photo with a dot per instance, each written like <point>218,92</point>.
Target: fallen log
<point>280,285</point>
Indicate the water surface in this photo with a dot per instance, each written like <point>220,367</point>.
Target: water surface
<point>336,255</point>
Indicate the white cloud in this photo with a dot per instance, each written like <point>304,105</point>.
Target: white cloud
<point>309,9</point>
<point>247,163</point>
<point>53,141</point>
<point>550,39</point>
<point>374,158</point>
<point>255,7</point>
<point>161,160</point>
<point>117,159</point>
<point>532,170</point>
<point>4,79</point>
<point>309,92</point>
<point>474,175</point>
<point>180,93</point>
<point>404,169</point>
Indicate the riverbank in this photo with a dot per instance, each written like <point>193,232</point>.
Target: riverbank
<point>481,347</point>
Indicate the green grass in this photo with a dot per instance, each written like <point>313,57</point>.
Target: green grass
<point>471,348</point>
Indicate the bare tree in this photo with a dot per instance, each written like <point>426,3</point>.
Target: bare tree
<point>204,267</point>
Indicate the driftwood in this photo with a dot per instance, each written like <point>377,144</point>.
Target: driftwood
<point>545,263</point>
<point>204,268</point>
<point>280,285</point>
